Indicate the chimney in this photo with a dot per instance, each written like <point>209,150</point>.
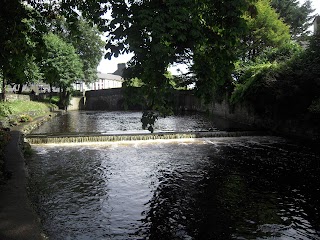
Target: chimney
<point>119,71</point>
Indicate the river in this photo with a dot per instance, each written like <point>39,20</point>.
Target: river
<point>262,187</point>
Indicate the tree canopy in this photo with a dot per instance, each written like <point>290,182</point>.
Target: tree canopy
<point>18,41</point>
<point>299,18</point>
<point>266,30</point>
<point>23,23</point>
<point>86,39</point>
<point>205,34</point>
<point>60,64</point>
<point>160,33</point>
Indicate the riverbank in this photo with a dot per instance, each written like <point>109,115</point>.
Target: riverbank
<point>18,219</point>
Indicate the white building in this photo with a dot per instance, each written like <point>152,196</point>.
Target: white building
<point>105,81</point>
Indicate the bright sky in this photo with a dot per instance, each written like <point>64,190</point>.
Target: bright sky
<point>110,66</point>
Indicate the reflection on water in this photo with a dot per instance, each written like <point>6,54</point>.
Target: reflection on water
<point>232,188</point>
<point>92,121</point>
<point>87,121</point>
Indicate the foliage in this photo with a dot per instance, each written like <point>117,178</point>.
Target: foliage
<point>54,100</point>
<point>133,82</point>
<point>76,93</point>
<point>299,18</point>
<point>18,108</point>
<point>5,109</point>
<point>25,118</point>
<point>315,106</point>
<point>60,64</point>
<point>86,39</point>
<point>287,89</point>
<point>160,33</point>
<point>266,49</point>
<point>148,120</point>
<point>18,42</point>
<point>71,9</point>
<point>267,57</point>
<point>266,31</point>
<point>254,77</point>
<point>23,24</point>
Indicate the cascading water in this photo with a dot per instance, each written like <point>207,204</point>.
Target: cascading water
<point>248,187</point>
<point>87,138</point>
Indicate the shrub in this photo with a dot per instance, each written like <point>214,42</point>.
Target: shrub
<point>315,106</point>
<point>5,110</point>
<point>25,118</point>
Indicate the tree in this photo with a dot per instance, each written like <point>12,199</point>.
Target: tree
<point>86,39</point>
<point>61,65</point>
<point>160,33</point>
<point>18,42</point>
<point>91,10</point>
<point>299,18</point>
<point>88,44</point>
<point>266,31</point>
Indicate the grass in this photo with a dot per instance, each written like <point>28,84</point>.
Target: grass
<point>22,107</point>
<point>15,112</point>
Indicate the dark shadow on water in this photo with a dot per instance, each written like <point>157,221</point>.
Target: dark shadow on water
<point>242,192</point>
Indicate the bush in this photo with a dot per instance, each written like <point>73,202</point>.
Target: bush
<point>287,89</point>
<point>5,110</point>
<point>25,118</point>
<point>253,79</point>
<point>77,93</point>
<point>315,106</point>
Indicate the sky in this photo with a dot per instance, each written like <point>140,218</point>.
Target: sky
<point>110,66</point>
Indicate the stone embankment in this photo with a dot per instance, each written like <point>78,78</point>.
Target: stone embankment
<point>18,220</point>
<point>305,127</point>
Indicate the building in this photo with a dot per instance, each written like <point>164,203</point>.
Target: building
<point>105,81</point>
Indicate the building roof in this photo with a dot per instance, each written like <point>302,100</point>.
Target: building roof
<point>109,76</point>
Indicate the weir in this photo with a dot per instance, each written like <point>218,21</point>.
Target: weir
<point>105,137</point>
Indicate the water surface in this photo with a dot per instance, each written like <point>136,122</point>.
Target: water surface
<point>119,121</point>
<point>232,188</point>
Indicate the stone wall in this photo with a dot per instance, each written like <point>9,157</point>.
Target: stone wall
<point>304,127</point>
<point>14,97</point>
<point>76,103</point>
<point>113,99</point>
<point>106,99</point>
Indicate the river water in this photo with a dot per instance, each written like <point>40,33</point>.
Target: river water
<point>219,188</point>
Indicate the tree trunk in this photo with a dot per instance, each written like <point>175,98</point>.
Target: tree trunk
<point>60,103</point>
<point>51,92</point>
<point>3,90</point>
<point>20,88</point>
